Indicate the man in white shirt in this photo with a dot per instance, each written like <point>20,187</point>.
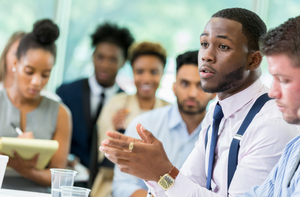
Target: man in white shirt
<point>229,60</point>
<point>177,126</point>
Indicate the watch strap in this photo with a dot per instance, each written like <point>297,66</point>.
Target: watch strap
<point>173,172</point>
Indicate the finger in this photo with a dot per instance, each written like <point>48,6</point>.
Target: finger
<point>115,153</point>
<point>146,135</point>
<point>35,159</point>
<point>120,162</point>
<point>122,137</point>
<point>118,144</point>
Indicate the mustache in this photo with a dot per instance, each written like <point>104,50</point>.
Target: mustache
<point>206,66</point>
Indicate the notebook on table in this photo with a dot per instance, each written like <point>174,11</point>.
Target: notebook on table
<point>28,148</point>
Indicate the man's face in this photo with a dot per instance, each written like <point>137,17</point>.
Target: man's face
<point>286,86</point>
<point>108,58</point>
<point>191,98</point>
<point>223,56</point>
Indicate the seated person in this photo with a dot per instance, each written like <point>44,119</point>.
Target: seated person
<point>7,59</point>
<point>38,116</point>
<point>281,47</point>
<point>178,125</point>
<point>84,96</point>
<point>148,61</point>
<point>229,65</point>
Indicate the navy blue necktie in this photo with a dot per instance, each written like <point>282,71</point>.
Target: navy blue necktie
<point>218,115</point>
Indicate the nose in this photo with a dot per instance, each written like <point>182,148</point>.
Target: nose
<point>193,91</point>
<point>207,55</point>
<point>36,80</point>
<point>275,91</point>
<point>147,77</point>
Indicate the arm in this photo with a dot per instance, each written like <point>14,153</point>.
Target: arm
<point>137,162</point>
<point>59,160</point>
<point>124,184</point>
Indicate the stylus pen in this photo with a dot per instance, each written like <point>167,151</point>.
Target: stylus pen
<point>17,129</point>
<point>149,193</point>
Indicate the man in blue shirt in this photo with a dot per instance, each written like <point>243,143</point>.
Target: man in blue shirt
<point>281,47</point>
<point>180,123</point>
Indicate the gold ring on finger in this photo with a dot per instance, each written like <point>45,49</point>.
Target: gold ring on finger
<point>130,146</point>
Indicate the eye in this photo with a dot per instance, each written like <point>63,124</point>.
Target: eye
<point>283,80</point>
<point>113,60</point>
<point>184,84</point>
<point>45,75</point>
<point>204,44</point>
<point>139,71</point>
<point>199,86</point>
<point>224,47</point>
<point>99,57</point>
<point>28,71</point>
<point>154,72</point>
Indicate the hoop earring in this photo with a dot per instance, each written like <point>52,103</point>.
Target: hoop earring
<point>14,69</point>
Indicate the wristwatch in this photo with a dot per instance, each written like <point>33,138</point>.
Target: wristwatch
<point>167,180</point>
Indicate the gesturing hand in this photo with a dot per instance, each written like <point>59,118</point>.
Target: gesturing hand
<point>147,160</point>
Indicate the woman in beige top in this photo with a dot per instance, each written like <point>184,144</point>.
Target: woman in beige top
<point>148,61</point>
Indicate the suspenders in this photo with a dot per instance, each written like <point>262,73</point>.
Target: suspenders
<point>235,143</point>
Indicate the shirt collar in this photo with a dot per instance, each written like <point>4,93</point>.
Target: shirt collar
<point>233,103</point>
<point>97,89</point>
<point>174,117</point>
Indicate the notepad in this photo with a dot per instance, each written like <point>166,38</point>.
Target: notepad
<point>28,148</point>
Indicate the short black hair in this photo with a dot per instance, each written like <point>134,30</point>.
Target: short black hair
<point>283,39</point>
<point>253,26</point>
<point>109,32</point>
<point>189,57</point>
<point>43,36</point>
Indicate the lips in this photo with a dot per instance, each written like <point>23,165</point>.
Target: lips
<point>206,71</point>
<point>190,103</point>
<point>145,87</point>
<point>33,91</point>
<point>280,106</point>
<point>102,75</point>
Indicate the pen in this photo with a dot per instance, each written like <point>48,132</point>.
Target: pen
<point>17,129</point>
<point>149,193</point>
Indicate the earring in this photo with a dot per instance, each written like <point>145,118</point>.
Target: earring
<point>14,69</point>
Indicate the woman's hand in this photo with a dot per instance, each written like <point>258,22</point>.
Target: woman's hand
<point>22,166</point>
<point>119,119</point>
<point>27,135</point>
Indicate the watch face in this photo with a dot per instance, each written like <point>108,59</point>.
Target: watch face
<point>166,181</point>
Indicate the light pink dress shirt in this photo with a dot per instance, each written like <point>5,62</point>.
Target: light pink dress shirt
<point>260,148</point>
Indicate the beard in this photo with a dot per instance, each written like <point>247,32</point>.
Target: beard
<point>227,82</point>
<point>190,111</point>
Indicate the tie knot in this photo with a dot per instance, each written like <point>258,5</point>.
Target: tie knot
<point>218,113</point>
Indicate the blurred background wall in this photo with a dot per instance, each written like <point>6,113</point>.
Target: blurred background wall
<point>176,24</point>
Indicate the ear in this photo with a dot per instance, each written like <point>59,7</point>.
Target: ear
<point>254,59</point>
<point>174,88</point>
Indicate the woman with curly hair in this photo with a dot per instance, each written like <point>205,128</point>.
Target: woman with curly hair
<point>148,61</point>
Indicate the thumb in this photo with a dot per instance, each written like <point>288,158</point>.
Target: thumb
<point>146,135</point>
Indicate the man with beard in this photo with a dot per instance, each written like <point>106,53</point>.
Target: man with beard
<point>281,47</point>
<point>177,125</point>
<point>245,132</point>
